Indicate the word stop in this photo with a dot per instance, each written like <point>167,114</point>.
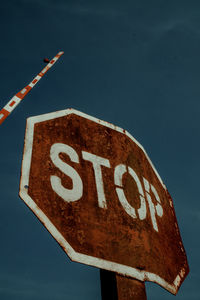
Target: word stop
<point>75,194</point>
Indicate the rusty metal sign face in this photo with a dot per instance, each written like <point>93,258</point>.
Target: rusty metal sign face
<point>96,191</point>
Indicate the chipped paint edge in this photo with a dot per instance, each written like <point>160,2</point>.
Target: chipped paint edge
<point>75,256</point>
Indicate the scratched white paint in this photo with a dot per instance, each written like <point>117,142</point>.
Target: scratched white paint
<point>76,192</point>
<point>85,259</point>
<point>69,195</point>
<point>153,209</point>
<point>97,162</point>
<point>120,170</point>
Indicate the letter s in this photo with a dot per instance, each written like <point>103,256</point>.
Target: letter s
<point>69,195</point>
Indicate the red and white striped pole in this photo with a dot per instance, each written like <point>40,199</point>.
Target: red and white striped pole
<point>10,106</point>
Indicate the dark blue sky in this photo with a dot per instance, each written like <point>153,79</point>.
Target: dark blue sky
<point>132,63</point>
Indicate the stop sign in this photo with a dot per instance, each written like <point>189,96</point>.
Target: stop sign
<point>96,191</point>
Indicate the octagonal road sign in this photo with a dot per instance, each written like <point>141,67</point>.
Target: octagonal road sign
<point>96,191</point>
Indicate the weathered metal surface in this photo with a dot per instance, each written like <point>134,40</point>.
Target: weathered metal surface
<point>129,288</point>
<point>95,189</point>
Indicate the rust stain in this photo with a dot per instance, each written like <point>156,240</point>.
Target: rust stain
<point>109,233</point>
<point>128,288</point>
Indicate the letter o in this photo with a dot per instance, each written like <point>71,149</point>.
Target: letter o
<point>120,170</point>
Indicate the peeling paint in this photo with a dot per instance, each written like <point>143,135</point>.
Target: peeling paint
<point>92,225</point>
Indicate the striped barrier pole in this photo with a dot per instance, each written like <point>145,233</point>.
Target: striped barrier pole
<point>15,100</point>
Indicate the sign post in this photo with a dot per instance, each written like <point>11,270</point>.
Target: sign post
<point>96,191</point>
<point>118,287</point>
<point>129,288</point>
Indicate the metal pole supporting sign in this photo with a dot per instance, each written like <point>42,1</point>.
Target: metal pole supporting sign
<point>118,287</point>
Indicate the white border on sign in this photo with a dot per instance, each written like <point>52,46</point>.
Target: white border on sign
<point>75,256</point>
